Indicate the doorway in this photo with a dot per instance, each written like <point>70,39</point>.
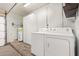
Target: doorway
<point>2,31</point>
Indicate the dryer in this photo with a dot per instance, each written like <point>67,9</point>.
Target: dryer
<point>53,42</point>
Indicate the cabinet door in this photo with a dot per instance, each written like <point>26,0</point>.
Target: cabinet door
<point>29,26</point>
<point>56,47</point>
<point>55,15</point>
<point>41,15</point>
<point>38,44</point>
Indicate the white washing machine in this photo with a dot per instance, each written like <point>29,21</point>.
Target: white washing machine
<point>20,34</point>
<point>53,42</point>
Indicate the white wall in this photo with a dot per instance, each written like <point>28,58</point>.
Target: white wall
<point>12,30</point>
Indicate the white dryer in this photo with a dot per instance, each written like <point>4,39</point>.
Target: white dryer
<point>54,42</point>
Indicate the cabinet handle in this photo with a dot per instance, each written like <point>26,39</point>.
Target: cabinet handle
<point>48,45</point>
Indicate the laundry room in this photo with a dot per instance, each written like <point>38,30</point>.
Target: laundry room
<point>52,29</point>
<point>39,29</point>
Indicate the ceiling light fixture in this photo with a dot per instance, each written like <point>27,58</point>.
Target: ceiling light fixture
<point>27,4</point>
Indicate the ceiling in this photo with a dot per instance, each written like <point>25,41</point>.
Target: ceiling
<point>6,6</point>
<point>19,9</point>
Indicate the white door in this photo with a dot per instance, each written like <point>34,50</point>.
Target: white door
<point>2,31</point>
<point>29,26</point>
<point>56,47</point>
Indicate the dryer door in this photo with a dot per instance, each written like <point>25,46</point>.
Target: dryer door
<point>56,47</point>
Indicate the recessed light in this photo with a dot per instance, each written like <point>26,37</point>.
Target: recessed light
<point>27,4</point>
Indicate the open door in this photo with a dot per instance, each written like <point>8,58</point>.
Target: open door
<point>2,31</point>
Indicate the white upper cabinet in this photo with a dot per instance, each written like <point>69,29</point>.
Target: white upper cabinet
<point>55,15</point>
<point>41,17</point>
<point>50,14</point>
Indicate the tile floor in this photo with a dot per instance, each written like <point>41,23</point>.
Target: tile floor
<point>16,49</point>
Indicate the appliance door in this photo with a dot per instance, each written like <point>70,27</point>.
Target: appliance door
<point>56,47</point>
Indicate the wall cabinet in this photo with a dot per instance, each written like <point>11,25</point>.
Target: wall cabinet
<point>54,15</point>
<point>50,14</point>
<point>41,15</point>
